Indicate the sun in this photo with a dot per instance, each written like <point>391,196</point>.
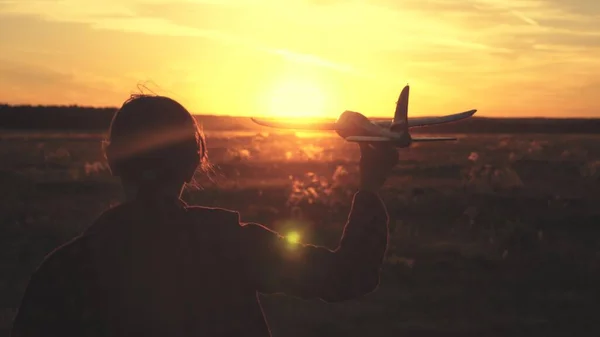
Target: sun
<point>295,98</point>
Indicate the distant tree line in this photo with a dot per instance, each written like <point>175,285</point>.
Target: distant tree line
<point>28,117</point>
<point>78,118</point>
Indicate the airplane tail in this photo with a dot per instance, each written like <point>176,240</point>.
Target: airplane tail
<point>400,122</point>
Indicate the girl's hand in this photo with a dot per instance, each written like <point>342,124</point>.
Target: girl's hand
<point>376,163</point>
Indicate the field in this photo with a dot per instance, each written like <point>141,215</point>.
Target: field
<point>493,235</point>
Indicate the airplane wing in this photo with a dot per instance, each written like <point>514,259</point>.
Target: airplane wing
<point>432,139</point>
<point>386,139</point>
<point>426,121</point>
<point>368,139</point>
<point>296,125</point>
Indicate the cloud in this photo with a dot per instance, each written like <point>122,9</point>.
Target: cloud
<point>489,26</point>
<point>26,82</point>
<point>581,7</point>
<point>125,16</point>
<point>67,10</point>
<point>511,30</point>
<point>27,74</point>
<point>525,18</point>
<point>517,47</point>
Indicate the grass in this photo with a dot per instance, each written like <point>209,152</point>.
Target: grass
<point>493,235</point>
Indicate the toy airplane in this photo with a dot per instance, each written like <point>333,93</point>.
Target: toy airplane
<point>355,127</point>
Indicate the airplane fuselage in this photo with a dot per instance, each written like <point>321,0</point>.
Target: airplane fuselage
<point>355,127</point>
<point>353,123</point>
<point>401,136</point>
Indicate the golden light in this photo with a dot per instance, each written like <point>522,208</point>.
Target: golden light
<point>297,98</point>
<point>293,237</point>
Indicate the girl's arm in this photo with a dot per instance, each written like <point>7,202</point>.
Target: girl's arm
<point>275,265</point>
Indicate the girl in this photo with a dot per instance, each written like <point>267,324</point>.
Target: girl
<point>154,266</point>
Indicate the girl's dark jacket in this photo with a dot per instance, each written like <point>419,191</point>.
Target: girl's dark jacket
<point>157,268</point>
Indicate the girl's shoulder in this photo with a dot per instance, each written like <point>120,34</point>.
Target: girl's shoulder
<point>109,218</point>
<point>215,220</point>
<point>214,214</point>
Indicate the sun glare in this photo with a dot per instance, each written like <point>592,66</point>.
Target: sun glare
<point>297,99</point>
<point>293,237</point>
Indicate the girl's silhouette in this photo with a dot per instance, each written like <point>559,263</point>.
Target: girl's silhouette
<point>154,266</point>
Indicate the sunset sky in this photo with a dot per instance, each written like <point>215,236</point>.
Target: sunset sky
<point>307,58</point>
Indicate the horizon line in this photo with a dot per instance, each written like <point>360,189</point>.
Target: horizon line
<point>273,117</point>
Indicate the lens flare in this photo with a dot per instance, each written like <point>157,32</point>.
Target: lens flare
<point>293,238</point>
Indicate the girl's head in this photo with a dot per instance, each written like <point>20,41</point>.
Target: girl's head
<point>154,141</point>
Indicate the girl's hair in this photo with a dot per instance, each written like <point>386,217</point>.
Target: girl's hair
<point>154,139</point>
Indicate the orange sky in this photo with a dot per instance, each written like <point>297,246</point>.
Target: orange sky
<point>307,57</point>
